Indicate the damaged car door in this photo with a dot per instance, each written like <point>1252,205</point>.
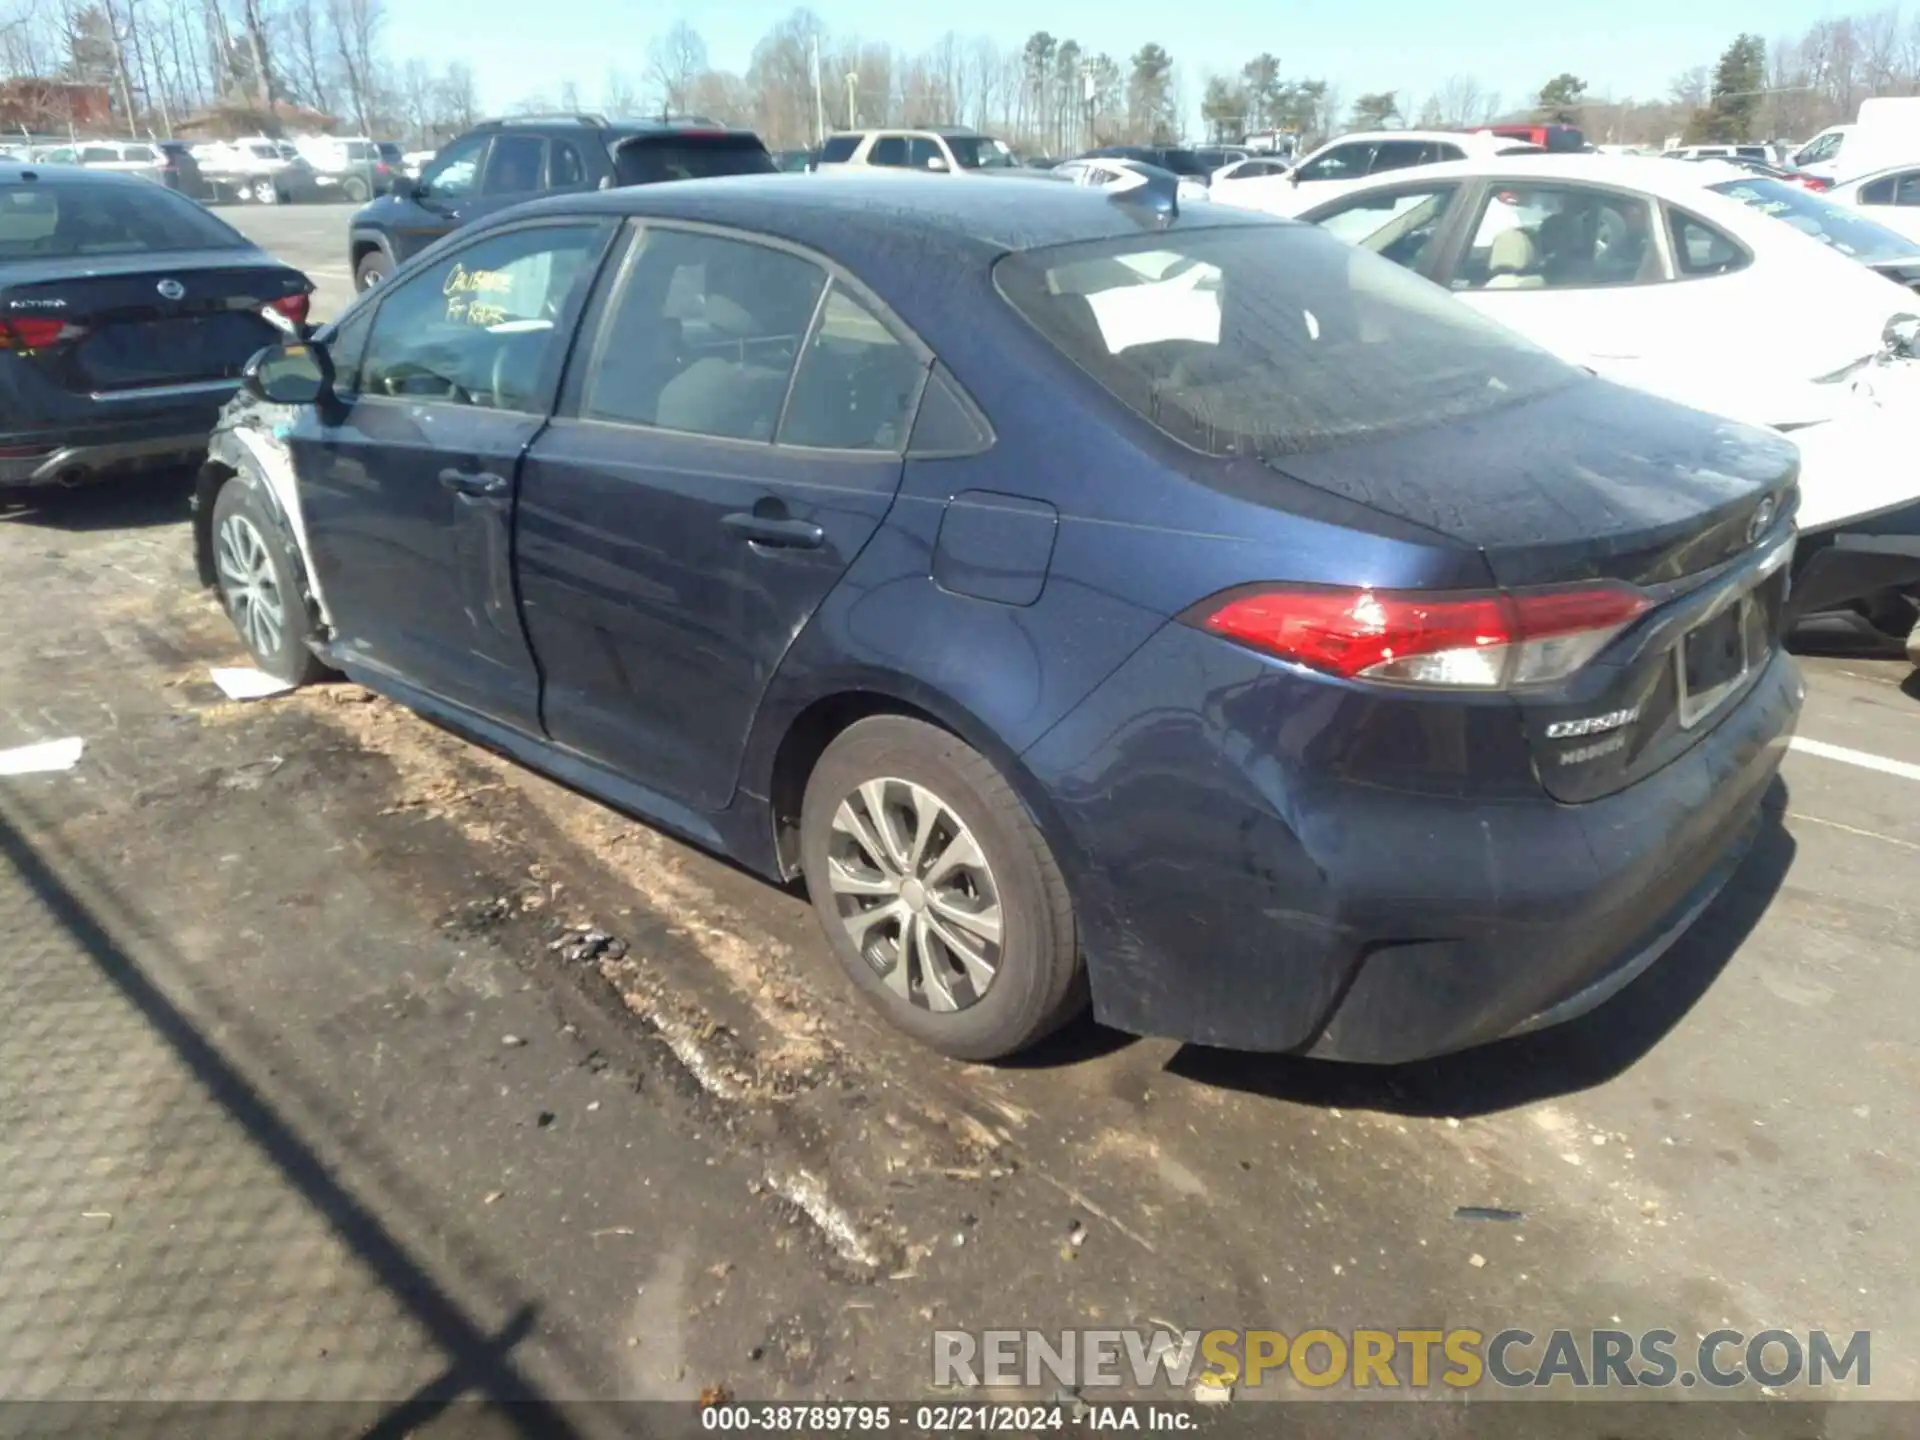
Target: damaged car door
<point>408,479</point>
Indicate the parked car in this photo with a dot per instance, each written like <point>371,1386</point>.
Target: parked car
<point>950,151</point>
<point>1341,164</point>
<point>505,162</point>
<point>1104,173</point>
<point>125,157</point>
<point>346,167</point>
<point>1887,197</point>
<point>259,170</point>
<point>1171,603</point>
<point>1254,167</point>
<point>180,171</point>
<point>1188,164</point>
<point>1705,284</point>
<point>126,314</point>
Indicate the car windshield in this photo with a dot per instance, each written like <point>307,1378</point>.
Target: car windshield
<point>1851,234</point>
<point>55,219</point>
<point>646,161</point>
<point>981,152</point>
<point>1269,340</point>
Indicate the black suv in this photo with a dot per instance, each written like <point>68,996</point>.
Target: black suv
<point>504,162</point>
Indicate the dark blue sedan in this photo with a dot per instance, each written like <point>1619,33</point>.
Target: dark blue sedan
<point>1183,610</point>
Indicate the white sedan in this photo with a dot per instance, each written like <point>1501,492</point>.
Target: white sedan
<point>1709,285</point>
<point>1106,172</point>
<point>1890,196</point>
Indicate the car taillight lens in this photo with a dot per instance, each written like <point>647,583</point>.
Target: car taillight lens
<point>1484,640</point>
<point>32,332</point>
<point>293,307</point>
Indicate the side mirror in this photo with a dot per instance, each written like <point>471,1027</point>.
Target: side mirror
<point>1293,178</point>
<point>934,162</point>
<point>297,373</point>
<point>402,185</point>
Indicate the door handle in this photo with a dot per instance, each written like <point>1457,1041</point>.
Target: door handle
<point>477,483</point>
<point>766,530</point>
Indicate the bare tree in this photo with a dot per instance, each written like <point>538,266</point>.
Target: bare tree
<point>356,33</point>
<point>304,46</point>
<point>459,99</point>
<point>674,61</point>
<point>1460,100</point>
<point>617,95</point>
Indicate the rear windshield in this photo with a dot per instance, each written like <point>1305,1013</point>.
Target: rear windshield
<point>980,152</point>
<point>51,219</point>
<point>645,160</point>
<point>1269,340</point>
<point>1847,231</point>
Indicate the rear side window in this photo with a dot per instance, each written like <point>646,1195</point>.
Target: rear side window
<point>1703,249</point>
<point>54,219</point>
<point>1398,155</point>
<point>690,157</point>
<point>703,337</point>
<point>565,165</point>
<point>856,384</point>
<point>839,149</point>
<point>98,155</point>
<point>1264,341</point>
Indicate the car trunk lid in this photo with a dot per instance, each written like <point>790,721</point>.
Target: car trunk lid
<point>1594,483</point>
<point>147,320</point>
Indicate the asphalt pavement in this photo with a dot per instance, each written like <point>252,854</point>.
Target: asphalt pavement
<point>343,1059</point>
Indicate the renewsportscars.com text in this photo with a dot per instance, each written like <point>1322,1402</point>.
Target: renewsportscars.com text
<point>1414,1358</point>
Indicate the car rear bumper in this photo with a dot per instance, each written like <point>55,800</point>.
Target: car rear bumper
<point>1236,888</point>
<point>175,435</point>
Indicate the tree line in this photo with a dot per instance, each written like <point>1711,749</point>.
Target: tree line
<point>255,63</point>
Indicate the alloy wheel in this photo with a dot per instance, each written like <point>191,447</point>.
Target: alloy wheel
<point>913,888</point>
<point>247,580</point>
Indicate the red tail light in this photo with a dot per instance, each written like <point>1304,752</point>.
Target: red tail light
<point>1814,182</point>
<point>1447,639</point>
<point>33,332</point>
<point>294,307</point>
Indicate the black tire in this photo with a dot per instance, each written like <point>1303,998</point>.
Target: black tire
<point>288,656</point>
<point>355,189</point>
<point>374,267</point>
<point>1039,983</point>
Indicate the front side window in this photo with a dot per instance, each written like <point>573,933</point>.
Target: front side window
<point>451,174</point>
<point>1851,233</point>
<point>703,336</point>
<point>513,165</point>
<point>1263,341</point>
<point>889,150</point>
<point>1343,162</point>
<point>478,327</point>
<point>1557,237</point>
<point>922,151</point>
<point>839,149</point>
<point>98,155</point>
<point>1398,227</point>
<point>856,384</point>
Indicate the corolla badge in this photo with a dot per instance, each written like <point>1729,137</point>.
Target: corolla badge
<point>171,290</point>
<point>1762,519</point>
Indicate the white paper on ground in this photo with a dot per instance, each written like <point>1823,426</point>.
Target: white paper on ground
<point>243,682</point>
<point>43,758</point>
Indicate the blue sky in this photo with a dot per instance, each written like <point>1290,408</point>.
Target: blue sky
<point>1620,47</point>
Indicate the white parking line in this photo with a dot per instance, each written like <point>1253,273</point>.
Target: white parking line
<point>1857,757</point>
